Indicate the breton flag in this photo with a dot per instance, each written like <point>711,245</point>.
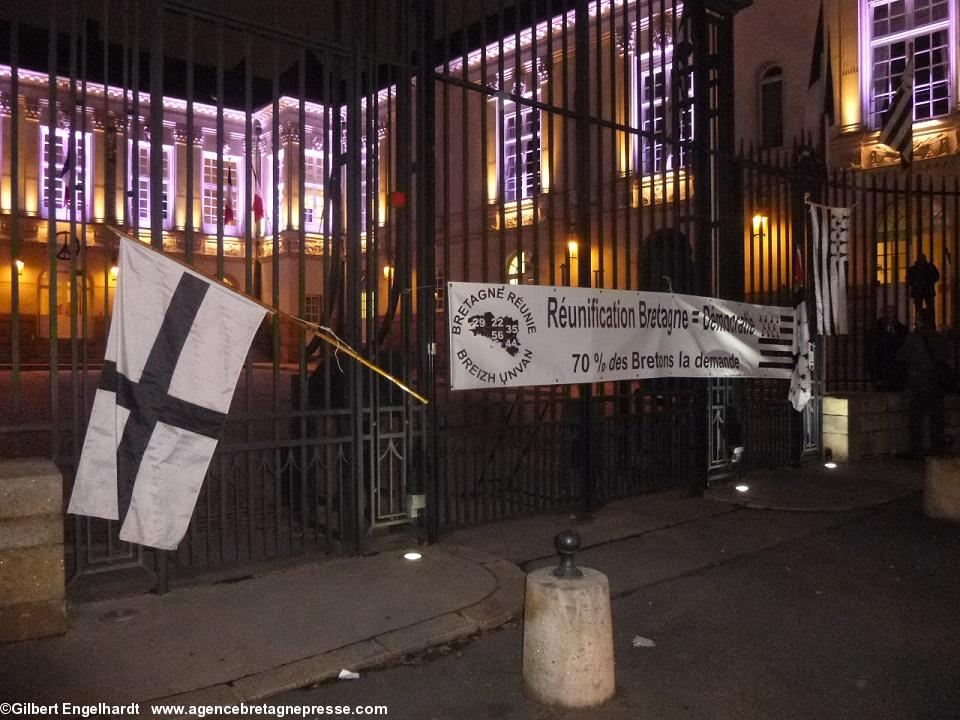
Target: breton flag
<point>801,380</point>
<point>897,131</point>
<point>176,346</point>
<point>820,106</point>
<point>829,227</point>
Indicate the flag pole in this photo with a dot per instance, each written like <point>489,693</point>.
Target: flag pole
<point>321,331</point>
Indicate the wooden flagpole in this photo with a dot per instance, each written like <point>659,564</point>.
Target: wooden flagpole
<point>321,331</point>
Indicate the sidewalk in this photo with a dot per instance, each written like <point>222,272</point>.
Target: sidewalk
<point>817,488</point>
<point>249,640</point>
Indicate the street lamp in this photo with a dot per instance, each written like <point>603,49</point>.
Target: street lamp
<point>760,224</point>
<point>572,250</point>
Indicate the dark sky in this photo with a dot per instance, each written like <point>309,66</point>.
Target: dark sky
<point>383,31</point>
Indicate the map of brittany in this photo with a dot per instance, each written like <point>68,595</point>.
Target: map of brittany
<point>502,330</point>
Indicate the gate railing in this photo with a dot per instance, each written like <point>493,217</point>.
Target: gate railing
<point>569,143</point>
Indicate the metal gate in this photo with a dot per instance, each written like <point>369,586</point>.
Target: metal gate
<point>345,177</point>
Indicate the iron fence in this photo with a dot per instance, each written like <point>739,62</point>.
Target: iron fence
<point>345,178</point>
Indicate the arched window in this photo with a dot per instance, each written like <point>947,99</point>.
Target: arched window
<point>771,107</point>
<point>518,268</point>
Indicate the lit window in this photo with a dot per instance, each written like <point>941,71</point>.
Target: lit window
<point>313,191</point>
<point>650,112</point>
<point>771,108</point>
<point>313,308</point>
<point>142,185</point>
<point>268,189</point>
<point>518,268</point>
<point>520,150</point>
<point>271,187</point>
<point>232,182</point>
<point>63,172</point>
<point>438,293</point>
<point>365,174</point>
<point>890,26</point>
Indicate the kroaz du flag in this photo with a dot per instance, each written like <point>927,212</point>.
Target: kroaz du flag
<point>176,346</point>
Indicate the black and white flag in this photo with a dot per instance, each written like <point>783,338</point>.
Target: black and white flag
<point>176,346</point>
<point>829,227</point>
<point>897,131</point>
<point>801,381</point>
<point>820,108</point>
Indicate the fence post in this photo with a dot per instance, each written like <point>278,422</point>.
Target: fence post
<point>714,134</point>
<point>426,270</point>
<point>584,201</point>
<point>353,515</point>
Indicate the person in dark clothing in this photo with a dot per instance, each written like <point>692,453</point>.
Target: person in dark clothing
<point>883,343</point>
<point>919,359</point>
<point>922,279</point>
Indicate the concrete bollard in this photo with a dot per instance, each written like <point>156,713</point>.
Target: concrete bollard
<point>32,593</point>
<point>941,489</point>
<point>568,633</point>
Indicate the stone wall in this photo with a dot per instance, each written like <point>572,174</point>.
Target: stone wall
<point>32,583</point>
<point>864,425</point>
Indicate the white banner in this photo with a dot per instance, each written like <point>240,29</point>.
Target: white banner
<point>514,335</point>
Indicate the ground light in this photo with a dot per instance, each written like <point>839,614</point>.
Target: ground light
<point>412,555</point>
<point>742,488</point>
<point>830,465</point>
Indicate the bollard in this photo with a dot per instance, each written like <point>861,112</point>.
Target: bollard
<point>567,633</point>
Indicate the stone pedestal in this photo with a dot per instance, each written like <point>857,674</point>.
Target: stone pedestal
<point>568,639</point>
<point>941,489</point>
<point>32,586</point>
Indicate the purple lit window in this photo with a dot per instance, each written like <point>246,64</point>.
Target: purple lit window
<point>890,27</point>
<point>141,186</point>
<point>650,112</point>
<point>367,173</point>
<point>74,166</point>
<point>232,185</point>
<point>313,191</point>
<point>520,147</point>
<point>271,186</point>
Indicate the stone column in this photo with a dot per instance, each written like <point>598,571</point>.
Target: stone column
<point>30,156</point>
<point>32,586</point>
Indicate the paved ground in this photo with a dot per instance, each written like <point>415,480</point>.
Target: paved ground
<point>245,640</point>
<point>841,615</point>
<point>693,573</point>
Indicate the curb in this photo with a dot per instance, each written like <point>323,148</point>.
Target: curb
<point>500,607</point>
